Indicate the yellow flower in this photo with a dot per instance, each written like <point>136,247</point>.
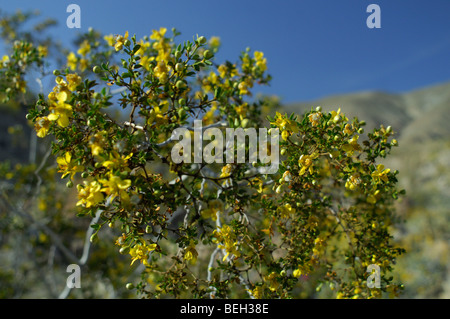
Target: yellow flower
<point>67,166</point>
<point>110,40</point>
<point>83,64</point>
<point>89,194</point>
<point>241,110</point>
<point>306,162</point>
<point>286,125</point>
<point>42,126</point>
<point>143,48</point>
<point>261,62</point>
<point>5,59</point>
<point>72,61</point>
<point>210,81</point>
<point>226,239</point>
<point>352,182</point>
<point>224,70</point>
<point>73,80</point>
<point>352,146</point>
<point>190,253</point>
<point>372,198</point>
<point>85,48</point>
<point>286,210</point>
<point>319,246</point>
<point>244,86</point>
<point>226,171</point>
<point>42,50</point>
<point>120,41</point>
<point>61,111</point>
<point>257,292</point>
<point>96,142</point>
<point>159,114</point>
<point>158,35</point>
<point>214,206</point>
<point>117,161</point>
<point>348,129</point>
<point>273,282</point>
<point>336,116</point>
<point>161,71</point>
<point>380,174</point>
<point>297,273</point>
<point>314,118</point>
<point>141,252</point>
<point>115,186</point>
<point>214,42</point>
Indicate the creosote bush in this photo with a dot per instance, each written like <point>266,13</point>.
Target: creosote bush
<point>213,230</point>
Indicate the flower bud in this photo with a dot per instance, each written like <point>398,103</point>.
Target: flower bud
<point>201,40</point>
<point>28,116</point>
<point>207,54</point>
<point>394,142</point>
<point>85,175</point>
<point>179,67</point>
<point>96,69</point>
<point>69,184</point>
<point>181,112</point>
<point>177,55</point>
<point>56,72</point>
<point>319,108</point>
<point>127,42</point>
<point>244,123</point>
<point>129,286</point>
<point>182,101</point>
<point>180,84</point>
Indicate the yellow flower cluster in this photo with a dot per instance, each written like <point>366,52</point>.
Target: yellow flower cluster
<point>141,252</point>
<point>286,210</point>
<point>68,166</point>
<point>314,118</point>
<point>286,125</point>
<point>190,253</point>
<point>306,163</point>
<point>89,194</point>
<point>226,239</point>
<point>261,61</point>
<point>353,182</point>
<point>380,174</point>
<point>116,186</point>
<point>214,206</point>
<point>60,111</point>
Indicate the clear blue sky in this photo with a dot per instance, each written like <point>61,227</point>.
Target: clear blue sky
<point>314,48</point>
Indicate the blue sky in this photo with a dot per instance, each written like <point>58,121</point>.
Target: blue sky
<point>314,48</point>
